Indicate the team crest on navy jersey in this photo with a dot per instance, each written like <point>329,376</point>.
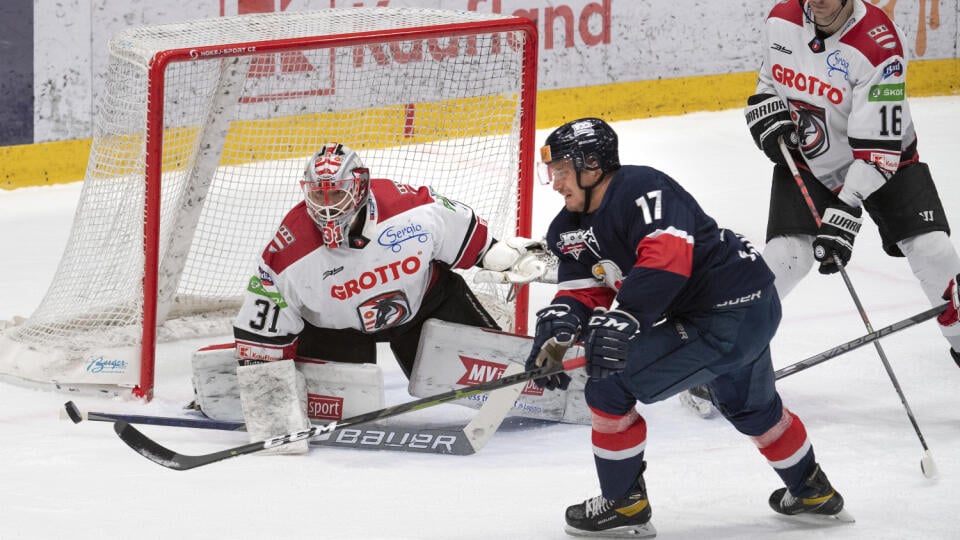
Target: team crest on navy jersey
<point>385,311</point>
<point>574,242</point>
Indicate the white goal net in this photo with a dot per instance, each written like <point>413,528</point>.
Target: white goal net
<point>200,140</point>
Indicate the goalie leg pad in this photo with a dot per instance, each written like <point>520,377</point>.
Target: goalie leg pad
<point>274,400</point>
<point>215,387</point>
<point>338,390</point>
<point>335,390</point>
<point>453,355</point>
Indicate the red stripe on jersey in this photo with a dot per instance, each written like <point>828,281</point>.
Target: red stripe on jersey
<point>669,250</point>
<point>789,443</point>
<point>592,297</point>
<point>393,198</point>
<point>479,238</point>
<point>633,436</point>
<point>297,237</point>
<point>249,350</point>
<point>883,159</point>
<point>874,36</point>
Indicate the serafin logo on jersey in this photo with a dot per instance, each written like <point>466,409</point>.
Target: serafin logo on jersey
<point>385,311</point>
<point>884,36</point>
<point>392,237</point>
<point>836,63</point>
<point>481,371</point>
<point>324,407</point>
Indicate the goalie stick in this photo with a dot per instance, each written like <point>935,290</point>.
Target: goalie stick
<point>161,455</point>
<point>447,440</point>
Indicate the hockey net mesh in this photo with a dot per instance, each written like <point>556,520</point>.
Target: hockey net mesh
<point>237,129</point>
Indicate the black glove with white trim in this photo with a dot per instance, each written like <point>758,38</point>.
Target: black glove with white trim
<point>607,342</point>
<point>838,230</point>
<point>557,329</point>
<point>768,120</point>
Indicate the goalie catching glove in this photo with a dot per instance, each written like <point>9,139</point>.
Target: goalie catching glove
<point>514,260</point>
<point>557,330</point>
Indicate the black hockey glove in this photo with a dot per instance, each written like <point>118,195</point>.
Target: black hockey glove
<point>557,330</point>
<point>768,120</point>
<point>951,315</point>
<point>838,230</point>
<point>607,342</point>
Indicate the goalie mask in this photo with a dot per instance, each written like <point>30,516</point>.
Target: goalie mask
<point>335,185</point>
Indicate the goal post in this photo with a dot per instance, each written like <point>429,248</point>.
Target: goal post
<point>199,143</point>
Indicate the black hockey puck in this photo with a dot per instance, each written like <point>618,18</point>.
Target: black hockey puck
<point>73,412</point>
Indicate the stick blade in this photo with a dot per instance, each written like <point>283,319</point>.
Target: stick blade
<point>928,466</point>
<point>147,447</point>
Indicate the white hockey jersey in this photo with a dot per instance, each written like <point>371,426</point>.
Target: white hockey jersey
<point>846,93</point>
<point>374,281</point>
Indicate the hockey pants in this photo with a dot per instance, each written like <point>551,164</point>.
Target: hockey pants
<point>725,349</point>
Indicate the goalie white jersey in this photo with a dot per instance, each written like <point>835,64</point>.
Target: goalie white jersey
<point>375,281</point>
<point>846,92</point>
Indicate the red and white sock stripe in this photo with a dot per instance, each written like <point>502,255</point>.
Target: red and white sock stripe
<point>618,437</point>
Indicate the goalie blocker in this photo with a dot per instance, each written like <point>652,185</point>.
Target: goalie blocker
<point>449,356</point>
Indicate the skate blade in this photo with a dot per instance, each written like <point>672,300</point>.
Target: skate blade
<point>822,519</point>
<point>700,407</point>
<point>646,530</point>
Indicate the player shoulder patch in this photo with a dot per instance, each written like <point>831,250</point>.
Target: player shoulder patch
<point>884,36</point>
<point>281,240</point>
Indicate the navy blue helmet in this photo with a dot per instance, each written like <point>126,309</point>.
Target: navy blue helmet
<point>589,142</point>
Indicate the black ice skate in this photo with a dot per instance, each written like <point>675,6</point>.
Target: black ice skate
<point>825,500</point>
<point>628,517</point>
<point>955,355</point>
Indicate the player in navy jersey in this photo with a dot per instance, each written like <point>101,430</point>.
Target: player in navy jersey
<point>832,84</point>
<point>695,305</point>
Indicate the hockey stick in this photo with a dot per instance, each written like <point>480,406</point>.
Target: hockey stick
<point>843,347</point>
<point>859,342</point>
<point>448,440</point>
<point>927,465</point>
<point>157,453</point>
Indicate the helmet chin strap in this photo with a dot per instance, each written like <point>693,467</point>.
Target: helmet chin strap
<point>588,190</point>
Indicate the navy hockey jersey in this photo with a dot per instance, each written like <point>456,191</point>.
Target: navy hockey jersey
<point>673,257</point>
